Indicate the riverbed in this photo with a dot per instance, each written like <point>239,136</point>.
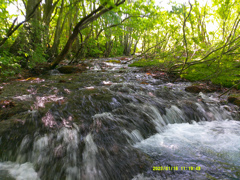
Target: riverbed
<point>115,122</point>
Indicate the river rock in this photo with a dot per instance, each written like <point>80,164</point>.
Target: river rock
<point>231,99</point>
<point>200,88</point>
<point>40,68</point>
<point>193,89</point>
<point>114,61</point>
<point>9,108</point>
<point>72,69</point>
<point>67,69</point>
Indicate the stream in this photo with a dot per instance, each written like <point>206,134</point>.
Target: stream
<point>115,122</point>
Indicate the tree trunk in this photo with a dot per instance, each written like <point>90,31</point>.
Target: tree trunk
<point>29,38</point>
<point>81,25</point>
<point>58,31</point>
<point>47,13</point>
<point>135,45</point>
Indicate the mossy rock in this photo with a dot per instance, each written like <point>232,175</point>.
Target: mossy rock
<point>114,61</point>
<point>193,89</point>
<point>11,108</point>
<point>72,69</point>
<point>67,69</point>
<point>231,99</point>
<point>40,68</point>
<point>200,88</point>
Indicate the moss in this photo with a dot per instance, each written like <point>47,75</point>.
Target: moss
<point>146,62</point>
<point>225,75</point>
<point>114,61</point>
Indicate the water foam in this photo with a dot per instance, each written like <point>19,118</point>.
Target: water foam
<point>18,171</point>
<point>212,145</point>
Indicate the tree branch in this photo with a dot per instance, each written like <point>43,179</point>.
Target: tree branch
<point>81,25</point>
<point>184,37</point>
<point>229,89</point>
<point>12,30</point>
<point>113,25</point>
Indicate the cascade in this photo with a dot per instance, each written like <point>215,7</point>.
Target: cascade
<point>89,129</point>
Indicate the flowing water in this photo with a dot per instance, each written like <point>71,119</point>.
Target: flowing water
<point>113,122</point>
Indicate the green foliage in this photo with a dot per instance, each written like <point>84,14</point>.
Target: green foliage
<point>157,31</point>
<point>37,56</point>
<point>3,17</point>
<point>227,74</point>
<point>117,50</point>
<point>8,64</point>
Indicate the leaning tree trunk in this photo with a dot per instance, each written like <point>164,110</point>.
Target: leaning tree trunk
<point>81,25</point>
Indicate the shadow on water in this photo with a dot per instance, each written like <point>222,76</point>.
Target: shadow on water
<point>113,122</point>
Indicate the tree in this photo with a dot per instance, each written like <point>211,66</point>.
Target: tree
<point>103,8</point>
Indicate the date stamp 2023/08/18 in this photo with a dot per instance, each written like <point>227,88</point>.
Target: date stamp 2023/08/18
<point>176,168</point>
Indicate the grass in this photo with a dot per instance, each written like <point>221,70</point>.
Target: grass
<point>146,63</point>
<point>226,74</point>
